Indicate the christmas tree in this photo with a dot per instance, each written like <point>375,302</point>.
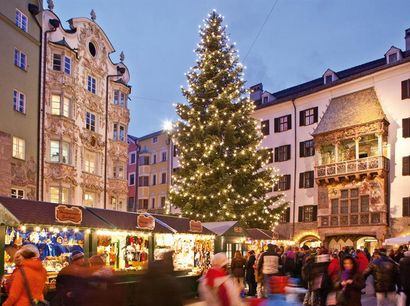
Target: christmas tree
<point>223,173</point>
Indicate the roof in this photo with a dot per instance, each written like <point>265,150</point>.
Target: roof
<point>179,224</point>
<point>349,110</point>
<point>346,75</point>
<point>63,43</point>
<point>148,136</point>
<point>259,234</point>
<point>133,138</point>
<point>220,228</point>
<point>43,213</point>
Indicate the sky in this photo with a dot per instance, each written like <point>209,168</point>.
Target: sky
<point>299,41</point>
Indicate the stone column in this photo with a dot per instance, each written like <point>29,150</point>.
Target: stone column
<point>357,140</point>
<point>337,151</point>
<point>379,144</point>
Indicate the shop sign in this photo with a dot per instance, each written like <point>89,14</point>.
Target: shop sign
<point>64,214</point>
<point>195,226</point>
<point>237,229</point>
<point>146,222</point>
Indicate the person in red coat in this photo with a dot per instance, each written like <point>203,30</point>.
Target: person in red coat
<point>362,261</point>
<point>334,267</point>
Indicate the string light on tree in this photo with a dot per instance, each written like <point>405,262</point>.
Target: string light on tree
<point>223,173</point>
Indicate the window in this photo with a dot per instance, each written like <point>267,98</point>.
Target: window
<point>265,100</point>
<point>154,179</point>
<point>285,217</point>
<point>119,98</point>
<point>307,213</point>
<point>132,158</point>
<point>90,121</point>
<point>143,204</point>
<point>89,162</point>
<point>406,128</point>
<point>67,65</point>
<point>164,178</point>
<point>131,179</point>
<point>283,183</point>
<point>307,148</point>
<point>154,139</point>
<point>282,153</point>
<point>92,49</point>
<point>91,84</point>
<point>118,132</point>
<point>265,127</point>
<point>308,116</point>
<point>143,161</point>
<point>154,158</point>
<point>392,58</point>
<point>89,199</point>
<point>57,62</point>
<point>60,105</point>
<point>406,207</point>
<point>405,89</point>
<point>143,181</point>
<point>19,101</point>
<point>406,165</point>
<point>334,208</point>
<point>364,203</point>
<point>17,193</point>
<point>20,59</point>
<point>114,203</point>
<point>328,79</point>
<point>118,171</point>
<point>270,154</point>
<point>175,150</point>
<point>131,203</point>
<point>59,152</point>
<point>21,20</point>
<point>59,195</point>
<point>306,179</point>
<point>163,201</point>
<point>152,203</point>
<point>163,156</point>
<point>19,148</point>
<point>283,123</point>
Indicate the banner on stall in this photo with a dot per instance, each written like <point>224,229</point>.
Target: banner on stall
<point>146,222</point>
<point>238,229</point>
<point>64,214</point>
<point>195,226</point>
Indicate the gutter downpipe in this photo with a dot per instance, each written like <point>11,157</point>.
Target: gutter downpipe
<point>294,174</point>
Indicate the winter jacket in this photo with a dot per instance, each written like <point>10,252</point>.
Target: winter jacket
<point>353,291</point>
<point>217,288</point>
<point>405,272</point>
<point>250,271</point>
<point>385,273</point>
<point>334,268</point>
<point>269,263</point>
<point>238,267</point>
<point>362,262</point>
<point>36,278</point>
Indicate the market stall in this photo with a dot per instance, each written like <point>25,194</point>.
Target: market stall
<point>192,244</point>
<point>128,246</point>
<point>230,237</point>
<point>258,239</point>
<point>56,230</point>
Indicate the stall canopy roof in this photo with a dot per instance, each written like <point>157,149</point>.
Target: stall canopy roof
<point>259,234</point>
<point>19,211</point>
<point>179,224</point>
<point>223,227</point>
<point>123,220</point>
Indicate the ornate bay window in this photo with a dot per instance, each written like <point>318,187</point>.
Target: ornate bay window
<point>90,162</point>
<point>120,98</point>
<point>60,105</point>
<point>59,151</point>
<point>89,198</point>
<point>59,194</point>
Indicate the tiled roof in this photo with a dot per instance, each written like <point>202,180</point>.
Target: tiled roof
<point>133,138</point>
<point>43,213</point>
<point>259,234</point>
<point>350,110</point>
<point>343,76</point>
<point>148,136</point>
<point>180,225</point>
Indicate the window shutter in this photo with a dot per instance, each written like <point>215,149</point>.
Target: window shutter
<point>301,176</point>
<point>301,118</point>
<point>314,213</point>
<point>316,114</point>
<point>300,215</point>
<point>276,154</point>
<point>404,89</point>
<point>289,122</point>
<point>287,181</point>
<point>287,214</point>
<point>302,149</point>
<point>276,125</point>
<point>406,127</point>
<point>406,204</point>
<point>406,165</point>
<point>287,152</point>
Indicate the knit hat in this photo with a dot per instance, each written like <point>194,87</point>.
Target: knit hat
<point>219,260</point>
<point>75,255</point>
<point>29,248</point>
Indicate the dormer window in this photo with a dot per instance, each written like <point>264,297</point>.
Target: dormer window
<point>393,55</point>
<point>329,76</point>
<point>265,100</point>
<point>329,79</point>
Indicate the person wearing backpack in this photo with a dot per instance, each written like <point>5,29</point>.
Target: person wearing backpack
<point>29,279</point>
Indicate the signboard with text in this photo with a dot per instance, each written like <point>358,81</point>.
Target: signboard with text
<point>65,214</point>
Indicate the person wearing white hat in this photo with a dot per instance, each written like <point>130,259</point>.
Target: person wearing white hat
<point>217,288</point>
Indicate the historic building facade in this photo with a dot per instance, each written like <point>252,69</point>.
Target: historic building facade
<point>20,27</point>
<point>342,145</point>
<point>85,119</point>
<point>133,150</point>
<point>150,179</point>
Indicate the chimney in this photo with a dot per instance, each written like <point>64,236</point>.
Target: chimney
<point>256,92</point>
<point>407,38</point>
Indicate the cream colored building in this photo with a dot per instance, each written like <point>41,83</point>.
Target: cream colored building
<point>85,118</point>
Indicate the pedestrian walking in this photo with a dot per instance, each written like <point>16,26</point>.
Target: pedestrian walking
<point>217,288</point>
<point>349,284</point>
<point>238,268</point>
<point>405,276</point>
<point>362,261</point>
<point>269,265</point>
<point>386,278</point>
<point>29,279</point>
<point>258,278</point>
<point>289,262</point>
<point>250,273</point>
